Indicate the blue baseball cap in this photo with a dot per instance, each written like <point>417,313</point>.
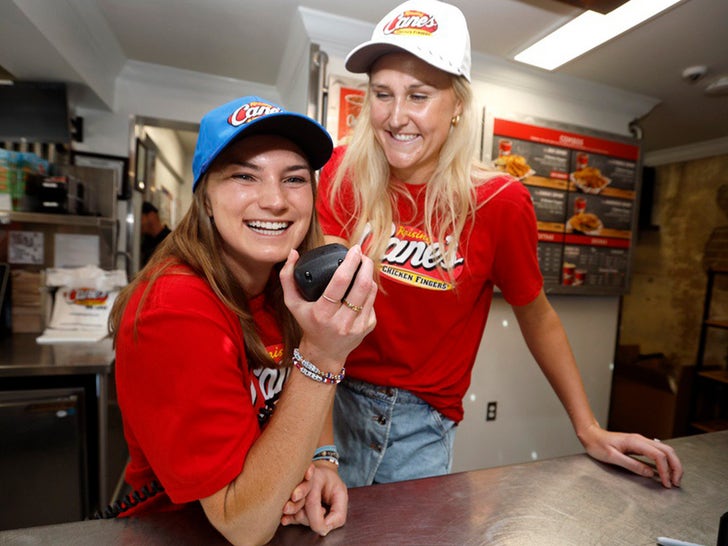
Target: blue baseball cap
<point>249,116</point>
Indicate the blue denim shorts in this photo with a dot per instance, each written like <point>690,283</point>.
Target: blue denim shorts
<point>385,434</point>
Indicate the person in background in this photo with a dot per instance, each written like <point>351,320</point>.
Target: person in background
<point>153,231</point>
<point>443,230</point>
<point>225,375</point>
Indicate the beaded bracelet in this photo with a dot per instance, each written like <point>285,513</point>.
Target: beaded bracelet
<point>327,453</point>
<point>310,370</point>
<point>331,460</point>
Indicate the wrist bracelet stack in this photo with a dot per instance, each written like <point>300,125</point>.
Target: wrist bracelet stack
<point>327,453</point>
<point>310,370</point>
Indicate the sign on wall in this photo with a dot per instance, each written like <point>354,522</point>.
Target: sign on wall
<point>25,247</point>
<point>584,187</point>
<point>345,99</point>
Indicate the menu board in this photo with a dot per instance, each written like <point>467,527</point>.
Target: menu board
<point>584,187</point>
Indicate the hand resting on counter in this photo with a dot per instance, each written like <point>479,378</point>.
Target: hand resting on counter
<point>616,448</point>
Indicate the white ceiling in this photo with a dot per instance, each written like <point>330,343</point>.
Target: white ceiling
<point>246,40</point>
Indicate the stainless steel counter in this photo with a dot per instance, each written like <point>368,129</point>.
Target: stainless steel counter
<point>21,356</point>
<point>567,501</point>
<point>23,361</point>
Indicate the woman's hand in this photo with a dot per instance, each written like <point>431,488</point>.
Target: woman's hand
<point>319,501</point>
<point>333,325</point>
<point>616,448</point>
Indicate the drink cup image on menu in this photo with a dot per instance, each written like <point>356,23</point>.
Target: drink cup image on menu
<point>353,104</point>
<point>582,160</point>
<point>567,274</point>
<point>350,102</point>
<point>504,147</point>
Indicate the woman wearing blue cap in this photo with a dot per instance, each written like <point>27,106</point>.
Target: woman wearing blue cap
<point>225,375</point>
<point>443,230</point>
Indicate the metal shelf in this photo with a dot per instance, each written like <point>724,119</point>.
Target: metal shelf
<point>7,216</point>
<point>713,425</point>
<point>717,323</point>
<point>709,405</point>
<point>715,375</point>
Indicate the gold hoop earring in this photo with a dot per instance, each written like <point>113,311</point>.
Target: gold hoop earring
<point>454,121</point>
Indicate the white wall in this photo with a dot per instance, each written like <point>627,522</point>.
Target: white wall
<point>169,173</point>
<point>530,423</point>
<point>161,93</point>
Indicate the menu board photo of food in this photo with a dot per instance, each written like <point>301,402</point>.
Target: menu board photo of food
<point>584,186</point>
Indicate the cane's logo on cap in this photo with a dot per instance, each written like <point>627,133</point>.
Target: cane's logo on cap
<point>412,22</point>
<point>250,111</point>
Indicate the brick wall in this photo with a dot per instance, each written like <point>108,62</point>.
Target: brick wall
<point>663,311</point>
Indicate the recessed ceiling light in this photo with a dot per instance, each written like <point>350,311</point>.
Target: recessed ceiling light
<point>695,73</point>
<point>589,30</point>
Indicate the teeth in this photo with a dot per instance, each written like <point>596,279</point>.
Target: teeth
<point>259,225</point>
<point>404,138</point>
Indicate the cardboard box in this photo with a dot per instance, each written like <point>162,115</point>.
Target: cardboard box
<point>650,395</point>
<point>27,320</point>
<point>27,288</point>
<point>28,301</point>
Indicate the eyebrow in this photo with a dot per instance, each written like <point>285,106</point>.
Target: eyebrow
<point>417,85</point>
<point>253,166</point>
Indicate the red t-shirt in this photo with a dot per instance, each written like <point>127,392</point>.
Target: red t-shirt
<point>191,408</point>
<point>428,334</point>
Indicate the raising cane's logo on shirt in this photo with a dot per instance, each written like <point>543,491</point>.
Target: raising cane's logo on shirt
<point>250,111</point>
<point>411,257</point>
<point>412,22</point>
<point>275,352</point>
<point>86,297</point>
<point>270,383</point>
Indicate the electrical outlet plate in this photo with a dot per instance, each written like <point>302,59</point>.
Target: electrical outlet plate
<point>491,411</point>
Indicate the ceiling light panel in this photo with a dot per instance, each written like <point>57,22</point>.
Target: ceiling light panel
<point>589,30</point>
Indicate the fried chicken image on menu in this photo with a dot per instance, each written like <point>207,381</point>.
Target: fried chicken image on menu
<point>515,165</point>
<point>589,177</point>
<point>585,222</point>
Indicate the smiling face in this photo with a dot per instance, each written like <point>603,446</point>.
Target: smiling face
<point>412,105</point>
<point>260,195</point>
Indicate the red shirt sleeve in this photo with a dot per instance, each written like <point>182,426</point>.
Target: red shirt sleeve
<point>183,388</point>
<point>515,265</point>
<point>331,219</point>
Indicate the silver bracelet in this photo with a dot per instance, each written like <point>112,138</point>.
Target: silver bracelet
<point>310,370</point>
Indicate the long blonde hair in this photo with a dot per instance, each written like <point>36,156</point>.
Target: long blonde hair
<point>196,243</point>
<point>450,200</point>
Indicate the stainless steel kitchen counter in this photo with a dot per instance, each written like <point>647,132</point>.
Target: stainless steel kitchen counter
<point>21,356</point>
<point>566,501</point>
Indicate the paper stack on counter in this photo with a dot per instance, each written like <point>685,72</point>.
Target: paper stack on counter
<point>82,304</point>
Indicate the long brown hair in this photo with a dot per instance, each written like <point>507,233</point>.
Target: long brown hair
<point>196,243</point>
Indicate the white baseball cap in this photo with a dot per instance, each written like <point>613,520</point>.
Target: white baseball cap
<point>433,31</point>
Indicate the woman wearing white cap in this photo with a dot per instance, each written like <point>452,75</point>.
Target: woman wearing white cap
<point>443,230</point>
<point>208,341</point>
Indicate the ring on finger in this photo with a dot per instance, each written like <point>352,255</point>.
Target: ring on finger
<point>332,300</point>
<point>355,308</point>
